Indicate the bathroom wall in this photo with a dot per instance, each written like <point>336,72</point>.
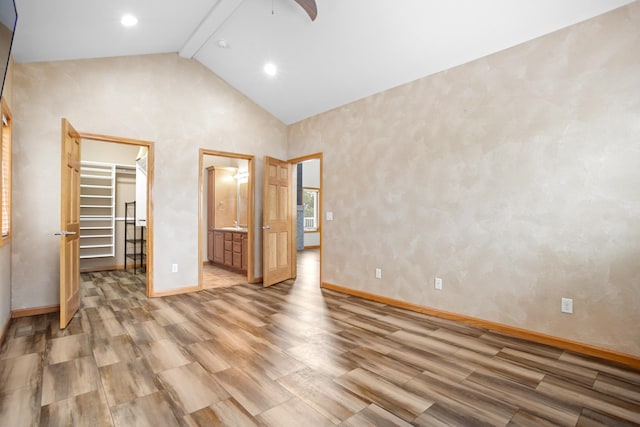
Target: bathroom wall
<point>177,104</point>
<point>514,178</point>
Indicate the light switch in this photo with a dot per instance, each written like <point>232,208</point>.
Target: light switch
<point>329,216</point>
<point>566,305</point>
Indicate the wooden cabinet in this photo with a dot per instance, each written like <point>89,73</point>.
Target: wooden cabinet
<point>245,252</point>
<point>230,249</point>
<point>218,247</point>
<point>237,251</point>
<point>210,245</point>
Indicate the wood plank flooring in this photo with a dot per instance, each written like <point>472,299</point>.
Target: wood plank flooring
<point>218,277</point>
<point>290,355</point>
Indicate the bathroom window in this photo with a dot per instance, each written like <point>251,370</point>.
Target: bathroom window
<point>311,197</point>
<point>5,175</point>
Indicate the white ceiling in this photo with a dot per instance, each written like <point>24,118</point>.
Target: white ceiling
<point>353,49</point>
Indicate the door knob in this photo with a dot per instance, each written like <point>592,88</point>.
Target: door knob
<point>266,227</point>
<point>64,233</point>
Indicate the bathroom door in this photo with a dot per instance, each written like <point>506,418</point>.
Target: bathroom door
<point>277,227</point>
<point>69,225</point>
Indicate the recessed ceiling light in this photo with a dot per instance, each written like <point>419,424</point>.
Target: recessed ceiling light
<point>223,44</point>
<point>270,69</point>
<point>129,20</point>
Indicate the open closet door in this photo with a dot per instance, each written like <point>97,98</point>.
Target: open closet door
<point>70,225</point>
<point>277,228</point>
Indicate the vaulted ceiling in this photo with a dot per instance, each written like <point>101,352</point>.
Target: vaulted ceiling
<point>353,49</point>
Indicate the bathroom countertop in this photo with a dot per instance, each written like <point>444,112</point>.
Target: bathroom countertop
<point>234,229</point>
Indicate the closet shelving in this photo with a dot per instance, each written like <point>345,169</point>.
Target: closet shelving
<point>134,240</point>
<point>97,209</point>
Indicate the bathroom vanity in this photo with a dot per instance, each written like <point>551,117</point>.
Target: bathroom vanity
<point>228,247</point>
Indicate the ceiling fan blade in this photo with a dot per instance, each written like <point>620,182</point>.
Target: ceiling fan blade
<point>310,7</point>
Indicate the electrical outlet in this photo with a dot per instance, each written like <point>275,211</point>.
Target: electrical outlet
<point>438,283</point>
<point>566,305</point>
<point>378,273</point>
<point>329,216</point>
<point>174,268</point>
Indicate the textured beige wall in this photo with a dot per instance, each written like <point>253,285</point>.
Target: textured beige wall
<point>515,178</point>
<point>176,103</point>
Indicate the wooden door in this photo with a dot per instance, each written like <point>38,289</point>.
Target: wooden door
<point>69,225</point>
<point>277,229</point>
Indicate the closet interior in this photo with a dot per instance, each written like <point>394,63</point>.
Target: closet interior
<point>110,179</point>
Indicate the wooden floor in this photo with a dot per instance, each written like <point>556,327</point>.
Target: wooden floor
<point>290,355</point>
<point>218,277</point>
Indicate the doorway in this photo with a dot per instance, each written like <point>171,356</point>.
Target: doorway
<point>116,229</point>
<point>74,223</point>
<point>226,219</point>
<point>308,201</point>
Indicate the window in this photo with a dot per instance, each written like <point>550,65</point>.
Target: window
<point>5,174</point>
<point>311,202</point>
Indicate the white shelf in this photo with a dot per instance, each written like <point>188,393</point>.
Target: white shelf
<point>102,187</point>
<point>125,172</point>
<point>94,256</point>
<point>98,245</point>
<point>102,165</point>
<point>95,176</point>
<point>95,246</point>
